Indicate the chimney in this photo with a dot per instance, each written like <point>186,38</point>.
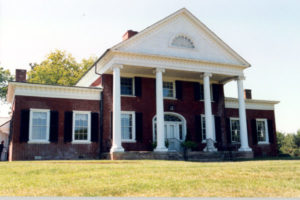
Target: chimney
<point>247,94</point>
<point>21,75</point>
<point>129,34</point>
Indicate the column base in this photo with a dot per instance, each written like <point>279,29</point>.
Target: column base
<point>210,146</point>
<point>116,149</point>
<point>160,149</point>
<point>245,149</point>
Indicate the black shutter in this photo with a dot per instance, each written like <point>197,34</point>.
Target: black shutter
<point>254,131</point>
<point>218,129</point>
<point>68,121</point>
<point>271,131</point>
<point>215,88</point>
<point>139,126</point>
<point>24,126</point>
<point>197,91</point>
<point>53,126</point>
<point>138,86</point>
<point>178,87</point>
<point>228,132</point>
<point>95,126</point>
<point>111,125</point>
<point>198,129</point>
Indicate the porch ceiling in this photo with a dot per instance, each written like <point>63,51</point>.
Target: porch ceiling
<point>177,74</point>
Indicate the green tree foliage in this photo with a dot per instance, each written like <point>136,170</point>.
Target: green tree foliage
<point>5,76</point>
<point>289,143</point>
<point>59,68</point>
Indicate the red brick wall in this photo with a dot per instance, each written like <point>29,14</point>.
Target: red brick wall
<point>258,149</point>
<point>59,150</point>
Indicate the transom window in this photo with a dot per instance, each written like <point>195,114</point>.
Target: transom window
<point>183,41</point>
<point>235,130</point>
<point>126,86</point>
<point>262,131</point>
<point>81,126</point>
<point>203,128</point>
<point>39,125</point>
<point>128,126</point>
<point>168,89</point>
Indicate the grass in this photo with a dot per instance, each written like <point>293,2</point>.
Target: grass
<point>151,178</point>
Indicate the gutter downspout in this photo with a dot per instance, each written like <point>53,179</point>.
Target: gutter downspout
<point>100,118</point>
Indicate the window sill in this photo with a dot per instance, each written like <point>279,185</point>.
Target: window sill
<point>212,101</point>
<point>263,143</point>
<point>81,142</point>
<point>128,141</point>
<point>170,98</point>
<point>38,142</point>
<point>126,95</point>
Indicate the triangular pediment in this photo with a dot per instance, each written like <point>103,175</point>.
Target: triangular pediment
<point>182,35</point>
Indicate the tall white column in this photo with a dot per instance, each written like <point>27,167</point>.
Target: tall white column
<point>116,144</point>
<point>160,147</point>
<point>242,114</point>
<point>208,114</point>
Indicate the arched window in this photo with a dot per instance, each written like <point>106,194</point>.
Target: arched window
<point>183,41</point>
<point>175,126</point>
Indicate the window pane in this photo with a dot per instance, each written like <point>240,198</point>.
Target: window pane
<point>201,92</point>
<point>203,128</point>
<point>126,86</point>
<point>235,130</point>
<point>39,126</point>
<point>168,89</point>
<point>261,135</point>
<point>81,127</point>
<point>126,126</point>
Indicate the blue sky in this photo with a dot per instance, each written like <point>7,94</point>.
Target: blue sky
<point>266,33</point>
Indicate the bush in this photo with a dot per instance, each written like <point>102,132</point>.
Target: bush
<point>189,145</point>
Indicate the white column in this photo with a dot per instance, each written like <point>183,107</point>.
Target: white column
<point>116,144</point>
<point>208,114</point>
<point>160,147</point>
<point>242,114</point>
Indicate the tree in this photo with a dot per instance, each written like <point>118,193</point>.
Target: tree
<point>59,68</point>
<point>5,76</point>
<point>280,140</point>
<point>297,139</point>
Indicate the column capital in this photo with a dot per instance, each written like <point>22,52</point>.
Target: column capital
<point>120,66</point>
<point>205,74</point>
<point>162,70</point>
<point>240,78</point>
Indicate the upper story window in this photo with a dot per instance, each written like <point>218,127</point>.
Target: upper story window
<point>262,131</point>
<point>39,125</point>
<point>235,130</point>
<point>203,128</point>
<point>127,86</point>
<point>183,41</point>
<point>201,94</point>
<point>81,126</point>
<point>168,89</point>
<point>128,126</point>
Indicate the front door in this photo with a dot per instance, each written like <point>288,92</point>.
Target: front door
<point>171,131</point>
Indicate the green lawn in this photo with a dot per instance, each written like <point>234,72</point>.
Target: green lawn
<point>151,178</point>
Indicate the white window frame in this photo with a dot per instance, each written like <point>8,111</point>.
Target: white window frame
<point>230,119</point>
<point>174,89</point>
<point>214,128</point>
<point>133,87</point>
<point>266,131</point>
<point>88,140</point>
<point>46,141</point>
<point>132,113</point>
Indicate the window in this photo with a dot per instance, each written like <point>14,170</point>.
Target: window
<point>202,92</point>
<point>168,89</point>
<point>183,41</point>
<point>81,126</point>
<point>127,86</point>
<point>128,126</point>
<point>39,126</point>
<point>235,130</point>
<point>203,128</point>
<point>262,131</point>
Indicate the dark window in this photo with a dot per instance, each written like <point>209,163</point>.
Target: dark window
<point>126,86</point>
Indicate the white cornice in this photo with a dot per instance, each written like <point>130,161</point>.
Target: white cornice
<point>251,104</point>
<point>51,91</point>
